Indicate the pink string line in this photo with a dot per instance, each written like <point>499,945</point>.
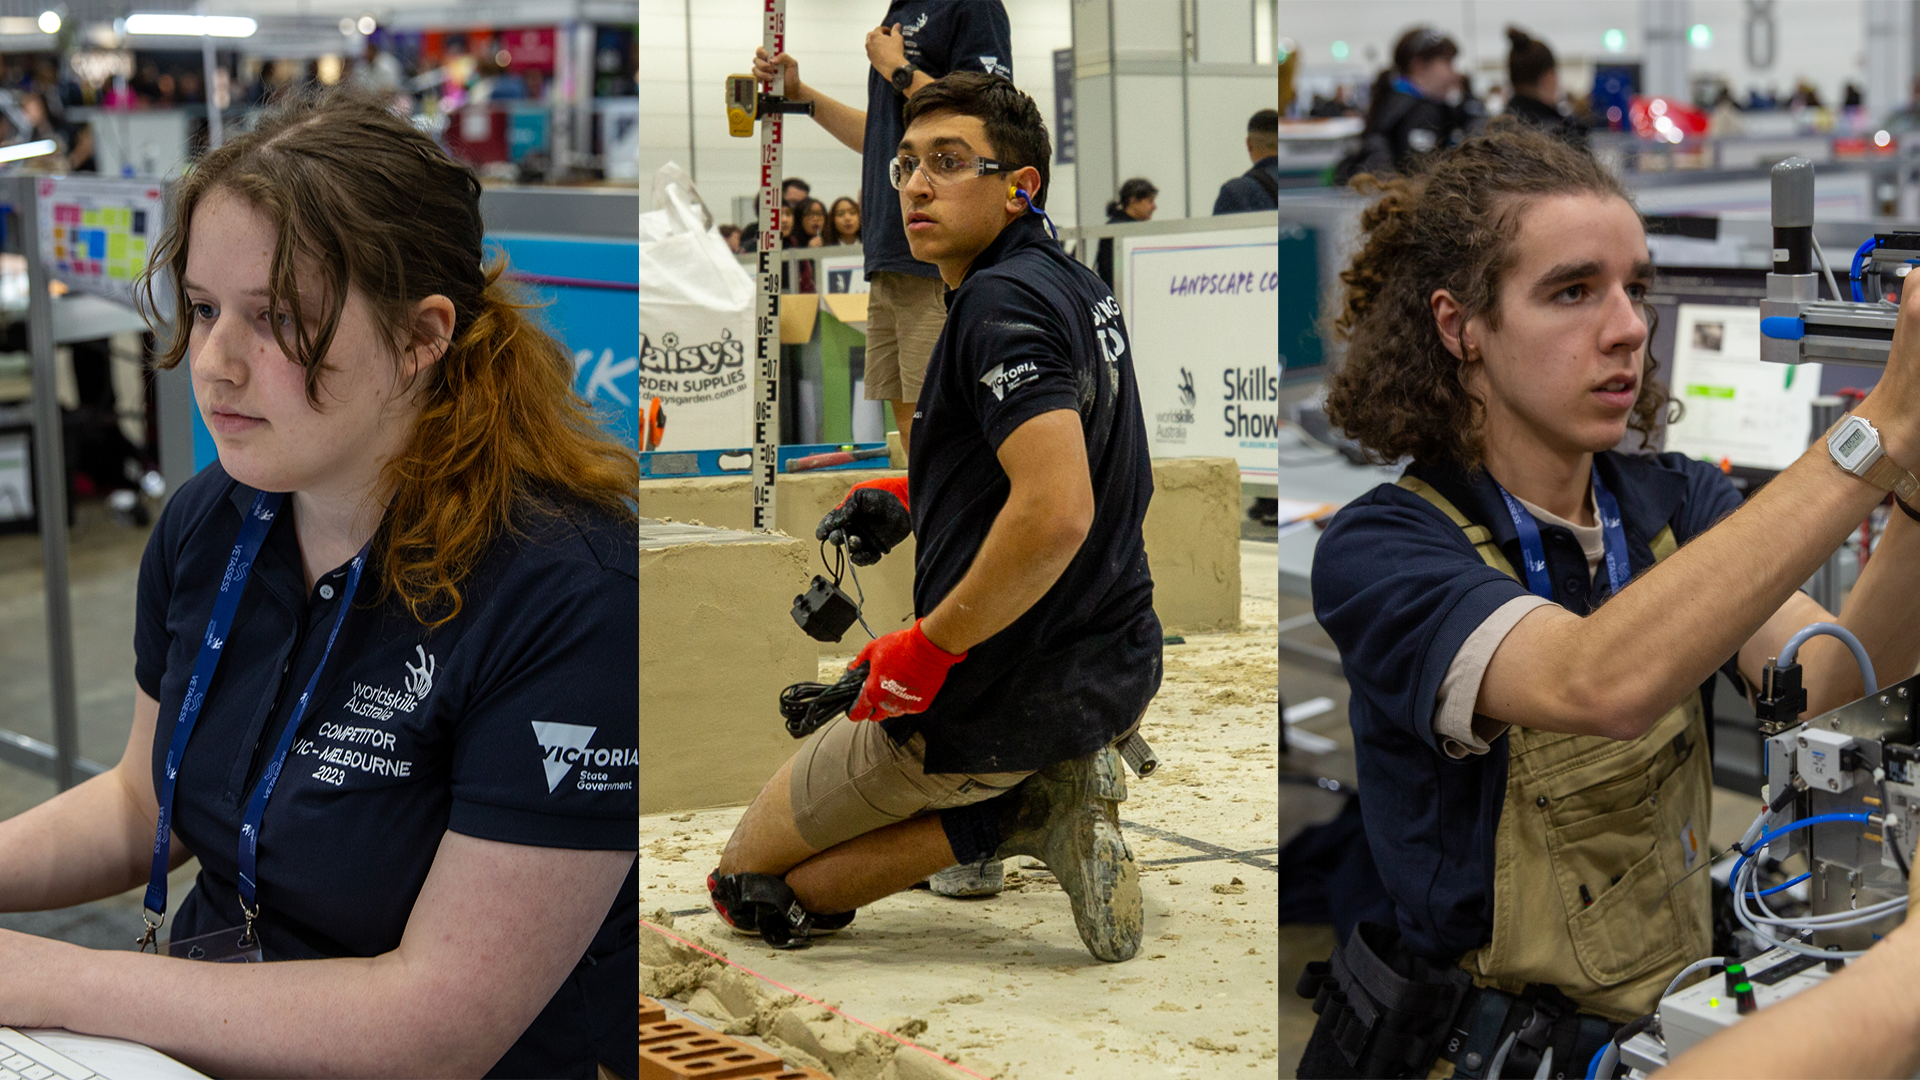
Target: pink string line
<point>903,1042</point>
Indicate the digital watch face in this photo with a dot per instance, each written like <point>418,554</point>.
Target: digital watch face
<point>1851,443</point>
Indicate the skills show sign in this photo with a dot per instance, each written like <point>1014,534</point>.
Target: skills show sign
<point>1200,311</point>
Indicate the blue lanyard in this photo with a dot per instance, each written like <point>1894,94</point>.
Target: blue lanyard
<point>1533,553</point>
<point>253,533</point>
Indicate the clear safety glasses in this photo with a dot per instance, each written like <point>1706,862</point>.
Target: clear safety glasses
<point>941,168</point>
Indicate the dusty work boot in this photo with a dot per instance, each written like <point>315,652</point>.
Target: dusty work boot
<point>1068,816</point>
<point>984,878</point>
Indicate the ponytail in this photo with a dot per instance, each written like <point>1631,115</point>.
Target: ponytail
<point>500,431</point>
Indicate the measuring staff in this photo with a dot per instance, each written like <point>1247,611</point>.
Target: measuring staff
<point>384,653</point>
<point>1530,621</point>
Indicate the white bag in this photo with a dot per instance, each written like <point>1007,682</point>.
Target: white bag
<point>696,323</point>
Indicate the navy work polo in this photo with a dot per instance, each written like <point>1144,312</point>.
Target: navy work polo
<point>516,722</point>
<point>1030,331</point>
<point>1398,588</point>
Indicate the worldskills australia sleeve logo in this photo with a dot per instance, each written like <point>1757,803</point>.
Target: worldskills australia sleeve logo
<point>563,747</point>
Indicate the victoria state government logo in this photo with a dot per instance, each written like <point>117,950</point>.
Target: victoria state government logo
<point>564,747</point>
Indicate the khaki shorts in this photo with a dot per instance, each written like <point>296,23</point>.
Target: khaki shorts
<point>904,315</point>
<point>851,778</point>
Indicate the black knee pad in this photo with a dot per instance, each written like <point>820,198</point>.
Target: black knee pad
<point>762,902</point>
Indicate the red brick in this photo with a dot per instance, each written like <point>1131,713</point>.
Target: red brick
<point>798,1073</point>
<point>651,1012</point>
<point>677,1050</point>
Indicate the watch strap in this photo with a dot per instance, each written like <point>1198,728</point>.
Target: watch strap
<point>1887,475</point>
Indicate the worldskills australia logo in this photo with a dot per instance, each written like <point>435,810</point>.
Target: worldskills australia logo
<point>563,747</point>
<point>381,702</point>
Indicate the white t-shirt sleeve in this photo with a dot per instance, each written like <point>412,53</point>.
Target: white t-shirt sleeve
<point>1456,727</point>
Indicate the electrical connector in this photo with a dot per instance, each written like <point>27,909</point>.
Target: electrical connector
<point>1782,698</point>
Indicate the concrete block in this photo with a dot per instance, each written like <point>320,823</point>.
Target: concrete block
<point>677,1050</point>
<point>1192,533</point>
<point>717,645</point>
<point>1193,543</point>
<point>896,453</point>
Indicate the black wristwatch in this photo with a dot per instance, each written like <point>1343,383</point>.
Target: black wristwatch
<point>902,77</point>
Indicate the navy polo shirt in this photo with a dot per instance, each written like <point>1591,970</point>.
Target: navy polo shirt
<point>517,722</point>
<point>1031,331</point>
<point>940,37</point>
<point>1398,588</point>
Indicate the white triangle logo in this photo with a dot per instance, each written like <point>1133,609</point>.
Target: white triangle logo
<point>555,742</point>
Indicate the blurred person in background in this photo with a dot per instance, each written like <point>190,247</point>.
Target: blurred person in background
<point>845,219</point>
<point>1135,203</point>
<point>731,234</point>
<point>1416,107</point>
<point>1535,77</point>
<point>808,231</point>
<point>1259,187</point>
<point>793,192</point>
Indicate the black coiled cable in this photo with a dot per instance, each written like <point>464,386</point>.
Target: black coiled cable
<point>809,705</point>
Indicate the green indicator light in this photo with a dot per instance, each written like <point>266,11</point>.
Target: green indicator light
<point>1713,1003</point>
<point>1339,50</point>
<point>1744,988</point>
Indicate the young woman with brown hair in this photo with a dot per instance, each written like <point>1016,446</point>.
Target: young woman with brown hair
<point>384,650</point>
<point>1531,731</point>
<point>845,221</point>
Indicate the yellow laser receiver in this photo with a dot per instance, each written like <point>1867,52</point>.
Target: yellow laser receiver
<point>746,104</point>
<point>743,105</point>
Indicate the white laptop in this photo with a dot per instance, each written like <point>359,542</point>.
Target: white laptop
<point>56,1054</point>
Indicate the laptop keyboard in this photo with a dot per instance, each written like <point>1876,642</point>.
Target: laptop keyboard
<point>22,1058</point>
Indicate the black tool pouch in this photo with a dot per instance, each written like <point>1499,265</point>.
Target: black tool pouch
<point>1387,1011</point>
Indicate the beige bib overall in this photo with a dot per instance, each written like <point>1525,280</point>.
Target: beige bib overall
<point>1591,885</point>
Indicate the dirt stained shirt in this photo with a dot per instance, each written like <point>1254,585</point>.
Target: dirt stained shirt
<point>1030,331</point>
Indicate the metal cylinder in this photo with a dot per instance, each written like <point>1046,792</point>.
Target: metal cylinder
<point>1793,216</point>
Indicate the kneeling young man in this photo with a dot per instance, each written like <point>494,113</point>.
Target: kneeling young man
<point>985,729</point>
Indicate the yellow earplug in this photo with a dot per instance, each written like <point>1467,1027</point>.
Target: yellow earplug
<point>1013,190</point>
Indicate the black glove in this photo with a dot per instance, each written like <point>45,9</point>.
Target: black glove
<point>873,521</point>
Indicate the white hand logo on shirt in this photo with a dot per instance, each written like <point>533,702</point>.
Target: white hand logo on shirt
<point>420,679</point>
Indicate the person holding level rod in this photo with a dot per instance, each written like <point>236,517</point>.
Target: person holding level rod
<point>985,729</point>
<point>1531,621</point>
<point>917,42</point>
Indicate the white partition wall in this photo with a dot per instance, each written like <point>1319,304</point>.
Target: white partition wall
<point>1163,89</point>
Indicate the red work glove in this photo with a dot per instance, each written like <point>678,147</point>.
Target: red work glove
<point>905,672</point>
<point>873,518</point>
